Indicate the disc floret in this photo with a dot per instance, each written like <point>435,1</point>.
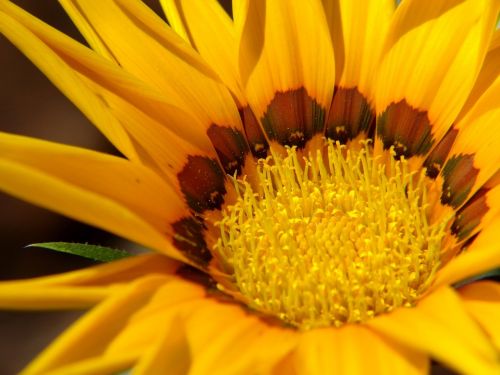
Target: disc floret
<point>331,238</point>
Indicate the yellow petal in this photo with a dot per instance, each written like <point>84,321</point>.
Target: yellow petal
<point>483,255</point>
<point>105,77</point>
<point>153,136</point>
<point>488,75</point>
<point>125,198</point>
<point>358,29</point>
<point>17,297</point>
<point>80,204</point>
<point>119,271</point>
<point>235,338</point>
<point>171,355</point>
<point>92,334</point>
<point>439,326</point>
<point>168,67</point>
<point>65,79</point>
<point>153,122</point>
<point>225,350</point>
<point>287,66</point>
<point>176,20</point>
<point>97,365</point>
<point>354,349</point>
<point>87,30</point>
<point>146,47</point>
<point>479,211</point>
<point>430,60</point>
<point>82,288</point>
<point>474,157</point>
<point>297,52</point>
<point>131,185</point>
<point>177,298</point>
<point>210,30</point>
<point>482,301</point>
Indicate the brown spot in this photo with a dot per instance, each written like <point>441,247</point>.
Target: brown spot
<point>189,239</point>
<point>293,117</point>
<point>459,176</point>
<point>195,275</point>
<point>202,183</point>
<point>350,114</point>
<point>255,136</point>
<point>470,215</point>
<point>231,147</point>
<point>438,155</point>
<point>406,128</point>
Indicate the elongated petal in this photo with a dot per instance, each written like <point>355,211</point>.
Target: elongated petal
<point>82,288</point>
<point>474,157</point>
<point>120,271</point>
<point>171,355</point>
<point>176,20</point>
<point>129,184</point>
<point>286,66</point>
<point>209,28</point>
<point>128,97</point>
<point>153,53</point>
<point>80,204</point>
<point>432,327</point>
<point>482,300</point>
<point>17,297</point>
<point>355,350</point>
<point>106,75</point>
<point>225,344</point>
<point>176,299</point>
<point>358,29</point>
<point>479,212</point>
<point>144,46</point>
<point>97,365</point>
<point>65,79</point>
<point>232,336</point>
<point>483,255</point>
<point>197,183</point>
<point>430,60</point>
<point>237,339</point>
<point>488,75</point>
<point>191,167</point>
<point>92,334</point>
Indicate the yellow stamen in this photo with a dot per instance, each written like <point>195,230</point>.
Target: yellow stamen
<point>338,237</point>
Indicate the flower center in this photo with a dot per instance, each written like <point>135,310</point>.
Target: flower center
<point>333,238</point>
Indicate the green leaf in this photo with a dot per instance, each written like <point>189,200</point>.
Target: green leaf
<point>492,274</point>
<point>94,252</point>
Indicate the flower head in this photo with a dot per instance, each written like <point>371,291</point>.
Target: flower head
<point>316,178</point>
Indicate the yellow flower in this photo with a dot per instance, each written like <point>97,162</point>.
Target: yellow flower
<point>315,177</point>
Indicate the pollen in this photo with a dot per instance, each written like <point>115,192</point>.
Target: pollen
<point>332,238</point>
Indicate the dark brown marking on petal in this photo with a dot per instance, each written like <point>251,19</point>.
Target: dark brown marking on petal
<point>438,155</point>
<point>293,118</point>
<point>469,216</point>
<point>255,136</point>
<point>195,275</point>
<point>469,241</point>
<point>190,240</point>
<point>202,183</point>
<point>231,147</point>
<point>350,114</point>
<point>459,176</point>
<point>406,128</point>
